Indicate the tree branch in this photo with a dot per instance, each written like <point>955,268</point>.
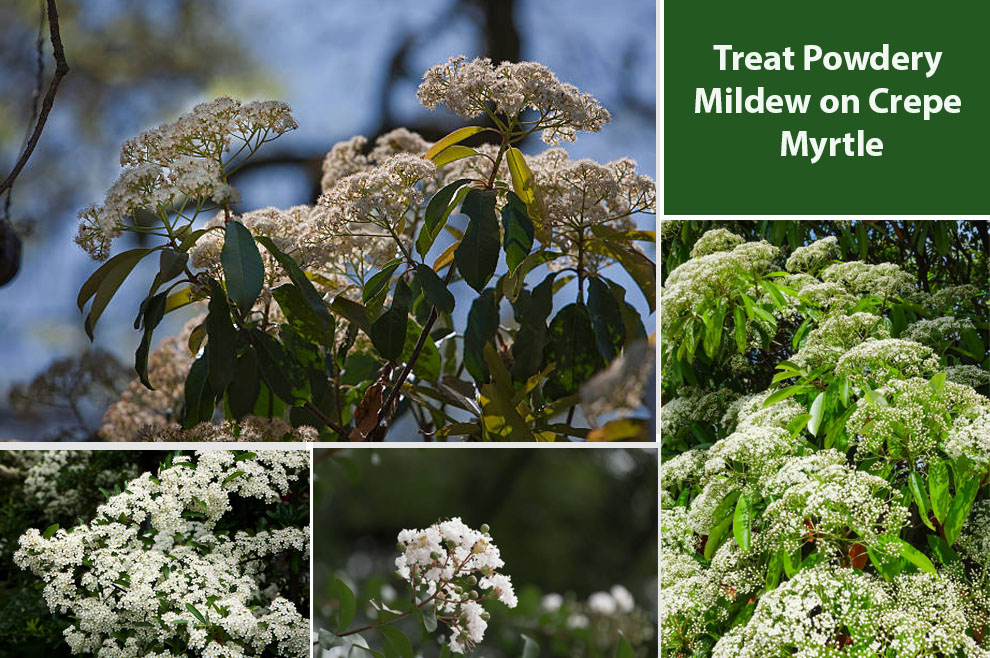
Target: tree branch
<point>61,69</point>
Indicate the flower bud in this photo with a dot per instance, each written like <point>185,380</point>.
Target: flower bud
<point>400,547</point>
<point>473,595</point>
<point>486,616</point>
<point>473,580</point>
<point>484,528</point>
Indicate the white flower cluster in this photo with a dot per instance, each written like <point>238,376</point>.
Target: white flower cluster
<point>875,361</point>
<point>971,438</point>
<point>693,405</point>
<point>180,164</point>
<point>714,241</point>
<point>828,611</point>
<point>444,563</point>
<point>149,571</point>
<point>52,481</point>
<point>813,257</point>
<point>883,280</point>
<point>472,89</point>
<point>937,332</point>
<point>836,335</point>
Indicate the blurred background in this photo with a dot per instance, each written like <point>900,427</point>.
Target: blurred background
<point>346,67</point>
<point>576,527</point>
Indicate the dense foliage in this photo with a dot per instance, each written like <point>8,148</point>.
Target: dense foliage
<point>205,554</point>
<point>826,437</point>
<point>343,320</point>
<point>558,593</point>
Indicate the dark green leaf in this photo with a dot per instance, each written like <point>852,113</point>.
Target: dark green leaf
<point>199,398</point>
<point>530,648</point>
<point>918,491</point>
<point>785,393</point>
<point>623,650</point>
<point>245,387</point>
<point>171,264</point>
<point>908,552</point>
<point>379,282</point>
<point>317,327</point>
<point>606,319</point>
<point>531,311</point>
<point>153,314</point>
<point>342,594</point>
<point>434,289</point>
<point>428,615</point>
<point>352,312</point>
<point>739,318</point>
<point>397,640</point>
<point>243,270</point>
<point>477,255</point>
<point>940,549</point>
<point>285,376</point>
<point>482,323</point>
<point>437,212</point>
<point>518,241</point>
<point>221,345</point>
<point>571,346</point>
<point>50,532</point>
<point>388,332</point>
<point>299,278</point>
<point>428,363</point>
<point>196,613</point>
<point>103,284</point>
<point>715,537</point>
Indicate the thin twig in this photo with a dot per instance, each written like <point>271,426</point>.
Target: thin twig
<point>61,69</point>
<point>313,409</point>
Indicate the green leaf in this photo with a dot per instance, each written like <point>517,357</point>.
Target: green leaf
<point>199,398</point>
<point>937,382</point>
<point>740,328</point>
<point>482,323</point>
<point>477,255</point>
<point>299,278</point>
<point>454,137</point>
<point>742,522</point>
<point>974,344</point>
<point>282,373</point>
<point>530,647</point>
<point>50,532</point>
<point>571,346</point>
<point>353,312</point>
<point>233,476</point>
<point>438,210</point>
<point>501,392</point>
<point>221,345</point>
<point>428,363</point>
<point>340,592</point>
<point>103,284</point>
<point>243,270</point>
<point>531,310</point>
<point>775,295</point>
<point>244,456</point>
<point>938,488</point>
<point>518,241</point>
<point>428,616</point>
<point>715,537</point>
<point>379,282</point>
<point>623,650</point>
<point>917,486</point>
<point>434,289</point>
<point>962,502</point>
<point>606,319</point>
<point>774,570</point>
<point>791,561</point>
<point>171,264</point>
<point>785,393</point>
<point>397,640</point>
<point>153,314</point>
<point>909,553</point>
<point>388,332</point>
<point>817,409</point>
<point>642,270</point>
<point>245,386</point>
<point>940,549</point>
<point>887,566</point>
<point>524,185</point>
<point>196,613</point>
<point>314,326</point>
<point>453,154</point>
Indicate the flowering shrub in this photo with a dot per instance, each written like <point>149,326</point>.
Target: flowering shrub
<point>344,318</point>
<point>825,432</point>
<point>206,557</point>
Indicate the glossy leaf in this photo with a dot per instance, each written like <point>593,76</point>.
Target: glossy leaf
<point>198,396</point>
<point>716,536</point>
<point>920,495</point>
<point>243,270</point>
<point>606,319</point>
<point>482,323</point>
<point>244,388</point>
<point>427,365</point>
<point>785,393</point>
<point>153,314</point>
<point>299,278</point>
<point>531,310</point>
<point>477,255</point>
<point>300,314</point>
<point>50,531</point>
<point>453,154</point>
<point>518,227</point>
<point>452,138</point>
<point>739,318</point>
<point>103,284</point>
<point>742,521</point>
<point>909,553</point>
<point>347,605</point>
<point>434,289</point>
<point>221,343</point>
<point>817,410</point>
<point>938,489</point>
<point>959,508</point>
<point>438,210</point>
<point>388,332</point>
<point>379,282</point>
<point>571,346</point>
